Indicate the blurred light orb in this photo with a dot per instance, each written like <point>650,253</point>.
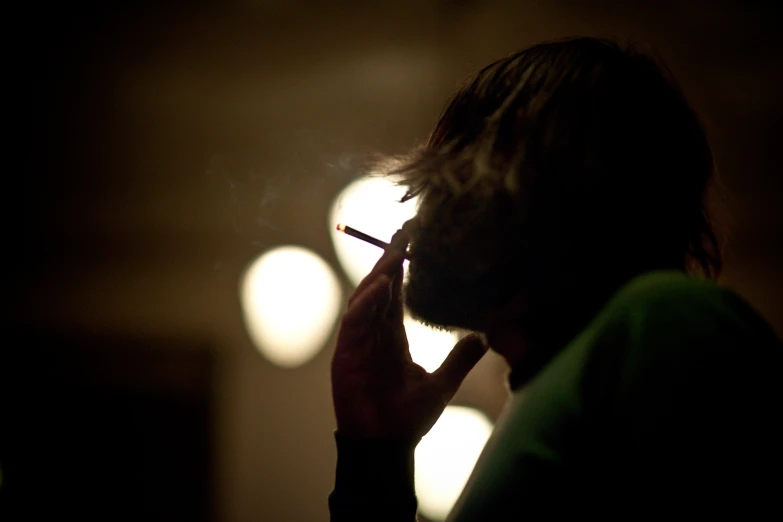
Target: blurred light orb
<point>369,204</point>
<point>445,458</point>
<point>290,300</point>
<point>428,346</point>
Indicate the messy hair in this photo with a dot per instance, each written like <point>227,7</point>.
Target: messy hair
<point>580,145</point>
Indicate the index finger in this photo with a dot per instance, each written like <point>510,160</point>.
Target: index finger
<point>390,261</point>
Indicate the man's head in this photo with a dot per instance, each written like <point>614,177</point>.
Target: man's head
<point>552,177</point>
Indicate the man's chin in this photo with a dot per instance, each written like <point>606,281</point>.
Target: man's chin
<point>440,306</point>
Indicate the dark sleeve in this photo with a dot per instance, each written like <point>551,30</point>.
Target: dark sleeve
<point>373,481</point>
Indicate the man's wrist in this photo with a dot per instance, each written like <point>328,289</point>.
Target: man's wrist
<point>374,478</point>
<point>374,466</point>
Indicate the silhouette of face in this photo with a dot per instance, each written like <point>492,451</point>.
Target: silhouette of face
<point>455,274</point>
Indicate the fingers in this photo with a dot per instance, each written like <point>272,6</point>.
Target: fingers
<point>463,357</point>
<point>385,266</point>
<point>400,243</point>
<point>391,259</point>
<point>378,294</point>
<point>357,338</point>
<point>366,306</point>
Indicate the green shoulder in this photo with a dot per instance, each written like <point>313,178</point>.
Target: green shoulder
<point>671,332</point>
<point>670,305</point>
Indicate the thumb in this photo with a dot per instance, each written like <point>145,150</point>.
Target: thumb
<point>463,357</point>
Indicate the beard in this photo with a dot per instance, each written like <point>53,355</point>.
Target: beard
<point>464,261</point>
<point>449,286</point>
<point>439,300</point>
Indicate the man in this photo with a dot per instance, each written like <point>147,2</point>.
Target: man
<point>563,219</point>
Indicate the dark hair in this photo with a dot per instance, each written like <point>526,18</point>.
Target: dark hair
<point>580,146</point>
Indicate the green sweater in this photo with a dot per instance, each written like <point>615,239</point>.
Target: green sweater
<point>664,405</point>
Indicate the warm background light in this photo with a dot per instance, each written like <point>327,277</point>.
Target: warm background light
<point>428,346</point>
<point>446,456</point>
<point>290,299</point>
<point>370,204</point>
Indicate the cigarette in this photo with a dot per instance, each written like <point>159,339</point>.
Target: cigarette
<point>364,237</point>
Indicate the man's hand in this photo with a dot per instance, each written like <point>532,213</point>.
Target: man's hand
<point>378,391</point>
